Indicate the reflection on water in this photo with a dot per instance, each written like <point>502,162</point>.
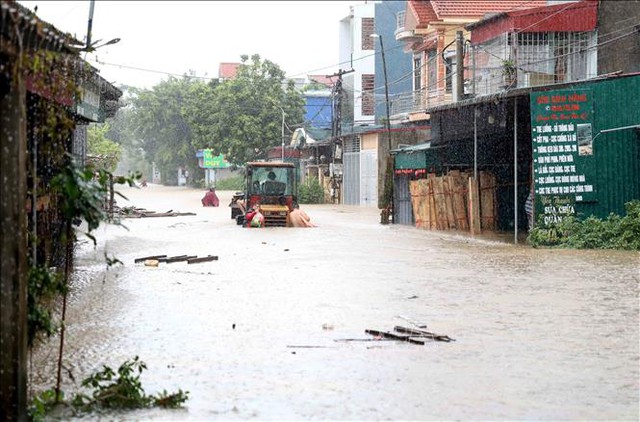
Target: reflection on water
<point>541,334</point>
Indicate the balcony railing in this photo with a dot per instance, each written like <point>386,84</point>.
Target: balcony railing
<point>418,101</point>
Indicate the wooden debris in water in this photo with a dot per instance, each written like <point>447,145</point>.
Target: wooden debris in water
<point>180,258</point>
<point>191,259</point>
<point>409,335</point>
<point>422,333</point>
<point>135,261</point>
<point>387,334</point>
<point>133,212</point>
<point>202,259</point>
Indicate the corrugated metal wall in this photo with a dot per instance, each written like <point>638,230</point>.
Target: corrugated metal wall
<point>351,162</point>
<point>369,178</point>
<point>617,154</point>
<point>402,206</point>
<point>351,175</point>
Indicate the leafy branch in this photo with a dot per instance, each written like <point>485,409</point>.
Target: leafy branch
<point>109,389</point>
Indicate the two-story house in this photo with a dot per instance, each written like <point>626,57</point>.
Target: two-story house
<point>532,47</point>
<point>430,34</point>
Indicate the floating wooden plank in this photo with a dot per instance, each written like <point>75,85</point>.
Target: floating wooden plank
<point>172,257</point>
<point>135,261</point>
<point>387,334</point>
<point>202,259</point>
<point>167,214</point>
<point>422,333</point>
<point>180,258</point>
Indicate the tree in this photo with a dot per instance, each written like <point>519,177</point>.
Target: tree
<point>105,152</point>
<point>121,131</point>
<point>161,121</point>
<point>245,119</point>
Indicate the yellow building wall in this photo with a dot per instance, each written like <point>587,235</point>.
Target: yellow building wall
<point>369,141</point>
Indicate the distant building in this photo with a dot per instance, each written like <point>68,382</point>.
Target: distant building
<point>227,71</point>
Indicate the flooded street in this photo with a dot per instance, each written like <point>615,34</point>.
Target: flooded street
<point>259,334</point>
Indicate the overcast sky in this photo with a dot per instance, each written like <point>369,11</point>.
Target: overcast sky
<point>173,37</point>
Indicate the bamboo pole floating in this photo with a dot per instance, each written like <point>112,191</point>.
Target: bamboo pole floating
<point>202,259</point>
<point>422,333</point>
<point>385,334</point>
<point>137,260</point>
<point>180,258</point>
<point>171,257</point>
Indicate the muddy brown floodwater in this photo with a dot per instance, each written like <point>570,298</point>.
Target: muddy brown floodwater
<point>540,334</point>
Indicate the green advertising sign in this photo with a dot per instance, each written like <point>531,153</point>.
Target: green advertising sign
<point>561,128</point>
<point>209,161</point>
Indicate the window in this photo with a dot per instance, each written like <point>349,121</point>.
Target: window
<point>368,28</point>
<point>352,145</point>
<point>368,99</point>
<point>400,19</point>
<point>432,69</point>
<point>449,71</point>
<point>417,73</point>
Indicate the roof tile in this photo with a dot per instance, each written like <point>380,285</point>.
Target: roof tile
<point>436,10</point>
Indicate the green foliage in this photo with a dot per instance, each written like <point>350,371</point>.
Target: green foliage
<point>108,390</point>
<point>43,403</point>
<point>245,118</point>
<point>123,390</point>
<point>105,152</point>
<point>614,232</point>
<point>311,192</point>
<point>83,192</point>
<point>122,131</point>
<point>44,285</point>
<point>162,120</point>
<point>314,86</point>
<point>240,118</point>
<point>234,183</point>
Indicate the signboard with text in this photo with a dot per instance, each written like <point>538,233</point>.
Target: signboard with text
<point>562,136</point>
<point>209,161</point>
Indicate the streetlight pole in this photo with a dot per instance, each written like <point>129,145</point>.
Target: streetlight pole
<point>282,136</point>
<point>386,89</point>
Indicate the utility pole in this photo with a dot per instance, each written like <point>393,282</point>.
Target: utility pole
<point>336,130</point>
<point>386,90</point>
<point>336,124</point>
<point>459,66</point>
<point>90,23</point>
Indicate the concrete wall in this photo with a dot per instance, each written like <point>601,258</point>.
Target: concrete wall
<point>619,19</point>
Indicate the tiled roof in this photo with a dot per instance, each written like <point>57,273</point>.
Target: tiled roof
<point>436,10</point>
<point>481,8</point>
<point>423,11</point>
<point>321,79</point>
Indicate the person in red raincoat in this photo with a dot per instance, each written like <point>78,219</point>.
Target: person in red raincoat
<point>210,199</point>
